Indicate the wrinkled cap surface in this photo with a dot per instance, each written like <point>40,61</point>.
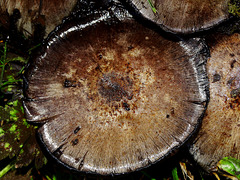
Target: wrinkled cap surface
<point>114,97</point>
<point>184,16</point>
<point>220,132</point>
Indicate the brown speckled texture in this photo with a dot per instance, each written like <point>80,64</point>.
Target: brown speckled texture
<point>220,132</point>
<point>183,16</point>
<point>115,97</point>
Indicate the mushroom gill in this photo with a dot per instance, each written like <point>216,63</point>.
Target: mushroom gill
<point>114,96</point>
<point>184,16</point>
<point>219,135</point>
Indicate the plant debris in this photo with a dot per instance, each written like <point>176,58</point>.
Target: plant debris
<point>17,137</point>
<point>234,7</point>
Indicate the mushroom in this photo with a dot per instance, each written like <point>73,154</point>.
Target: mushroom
<point>113,96</point>
<point>219,135</point>
<point>181,16</point>
<point>47,13</point>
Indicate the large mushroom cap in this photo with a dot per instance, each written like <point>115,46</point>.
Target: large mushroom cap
<point>220,132</point>
<point>114,97</point>
<point>184,16</point>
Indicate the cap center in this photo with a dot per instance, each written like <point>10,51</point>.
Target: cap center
<point>114,87</point>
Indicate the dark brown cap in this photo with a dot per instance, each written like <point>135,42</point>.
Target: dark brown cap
<point>220,132</point>
<point>115,96</point>
<point>182,16</point>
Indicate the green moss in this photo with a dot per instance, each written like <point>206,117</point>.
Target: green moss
<point>17,137</point>
<point>10,78</point>
<point>234,7</point>
<point>6,145</point>
<point>22,109</point>
<point>14,112</point>
<point>9,88</point>
<point>13,128</point>
<point>2,131</point>
<point>21,151</point>
<point>15,103</point>
<point>25,123</point>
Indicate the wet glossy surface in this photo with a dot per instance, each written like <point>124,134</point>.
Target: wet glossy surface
<point>183,16</point>
<point>220,132</point>
<point>114,97</point>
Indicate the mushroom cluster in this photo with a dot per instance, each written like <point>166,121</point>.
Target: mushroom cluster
<point>113,96</point>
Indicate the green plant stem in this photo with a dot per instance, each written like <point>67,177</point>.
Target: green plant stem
<point>4,59</point>
<point>147,175</point>
<point>7,168</point>
<point>10,82</point>
<point>175,174</point>
<point>152,6</point>
<point>30,50</point>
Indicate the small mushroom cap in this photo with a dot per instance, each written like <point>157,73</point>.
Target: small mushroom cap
<point>114,97</point>
<point>182,16</point>
<point>48,13</point>
<point>220,132</point>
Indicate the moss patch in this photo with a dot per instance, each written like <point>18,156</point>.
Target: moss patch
<point>234,7</point>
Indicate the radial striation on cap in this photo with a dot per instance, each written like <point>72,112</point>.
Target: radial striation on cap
<point>182,16</point>
<point>219,135</point>
<point>115,96</point>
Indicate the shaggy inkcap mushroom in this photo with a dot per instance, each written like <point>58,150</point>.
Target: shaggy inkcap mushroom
<point>114,96</point>
<point>220,132</point>
<point>48,13</point>
<point>182,16</point>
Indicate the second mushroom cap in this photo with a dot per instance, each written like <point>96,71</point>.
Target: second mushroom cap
<point>184,16</point>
